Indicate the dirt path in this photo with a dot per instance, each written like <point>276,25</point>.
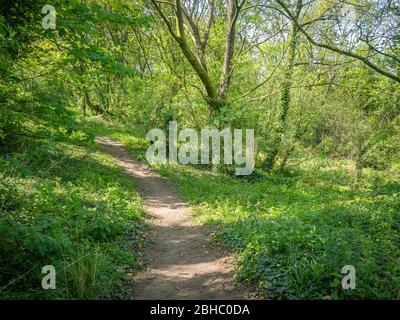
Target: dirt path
<point>181,265</point>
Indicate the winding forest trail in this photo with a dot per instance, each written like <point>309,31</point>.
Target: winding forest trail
<point>181,264</point>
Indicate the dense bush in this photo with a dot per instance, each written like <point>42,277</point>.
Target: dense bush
<point>65,204</point>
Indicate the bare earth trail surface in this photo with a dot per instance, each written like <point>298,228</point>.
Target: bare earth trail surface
<point>181,264</point>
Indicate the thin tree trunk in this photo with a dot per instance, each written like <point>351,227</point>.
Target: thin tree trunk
<point>286,93</point>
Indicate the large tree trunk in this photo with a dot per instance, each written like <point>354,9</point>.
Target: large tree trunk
<point>215,95</point>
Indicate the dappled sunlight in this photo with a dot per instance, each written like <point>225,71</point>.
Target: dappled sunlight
<point>319,218</point>
<point>122,149</point>
<point>181,263</point>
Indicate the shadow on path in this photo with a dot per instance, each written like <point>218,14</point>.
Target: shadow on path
<point>181,265</point>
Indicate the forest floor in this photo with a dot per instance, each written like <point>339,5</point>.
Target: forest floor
<point>181,264</point>
<point>292,231</point>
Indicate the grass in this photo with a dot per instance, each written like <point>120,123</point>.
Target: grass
<point>295,230</point>
<point>65,203</point>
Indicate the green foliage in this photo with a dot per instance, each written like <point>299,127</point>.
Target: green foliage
<point>66,204</point>
<point>295,232</point>
<point>110,68</point>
